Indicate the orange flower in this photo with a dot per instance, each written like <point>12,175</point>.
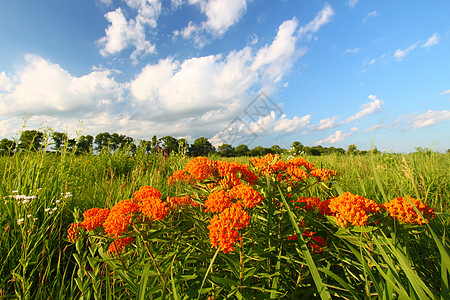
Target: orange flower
<point>353,209</point>
<point>180,175</point>
<point>153,208</point>
<point>323,174</point>
<point>94,218</point>
<point>401,209</point>
<point>120,217</point>
<point>232,172</point>
<point>199,168</point>
<point>311,203</point>
<point>146,192</point>
<point>294,173</point>
<point>324,207</point>
<point>224,228</point>
<point>268,164</point>
<point>217,201</point>
<point>175,202</point>
<point>300,161</point>
<point>247,195</point>
<point>119,244</point>
<point>73,233</point>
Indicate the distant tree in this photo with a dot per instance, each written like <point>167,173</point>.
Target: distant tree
<point>352,149</point>
<point>59,140</point>
<point>312,151</point>
<point>102,140</point>
<point>31,139</point>
<point>242,150</point>
<point>84,144</point>
<point>275,149</point>
<point>296,148</point>
<point>201,147</point>
<point>226,150</point>
<point>448,151</point>
<point>169,144</point>
<point>7,147</point>
<point>259,151</point>
<point>155,143</point>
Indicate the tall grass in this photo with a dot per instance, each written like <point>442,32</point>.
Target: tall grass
<point>36,261</point>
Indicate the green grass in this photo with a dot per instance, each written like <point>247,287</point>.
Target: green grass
<point>36,261</point>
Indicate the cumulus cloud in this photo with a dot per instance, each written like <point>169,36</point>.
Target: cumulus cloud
<point>123,33</point>
<point>400,54</point>
<point>220,16</point>
<point>322,18</point>
<point>369,108</point>
<point>324,124</point>
<point>372,14</point>
<point>338,136</point>
<point>6,83</point>
<point>352,3</point>
<point>45,88</point>
<point>433,40</point>
<point>429,118</point>
<point>352,51</point>
<point>442,94</point>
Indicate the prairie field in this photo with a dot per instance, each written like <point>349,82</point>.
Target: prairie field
<point>235,228</point>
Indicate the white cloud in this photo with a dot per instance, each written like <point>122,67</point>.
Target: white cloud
<point>433,40</point>
<point>324,124</point>
<point>400,54</point>
<point>429,118</point>
<point>220,16</point>
<point>277,58</point>
<point>445,92</point>
<point>372,14</point>
<point>374,128</point>
<point>352,51</point>
<point>123,33</point>
<point>45,88</point>
<point>322,18</point>
<point>369,108</point>
<point>6,83</point>
<point>352,3</point>
<point>338,136</point>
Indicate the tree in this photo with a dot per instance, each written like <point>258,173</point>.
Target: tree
<point>31,139</point>
<point>169,144</point>
<point>84,144</point>
<point>7,147</point>
<point>59,139</point>
<point>297,148</point>
<point>201,147</point>
<point>226,150</point>
<point>352,149</point>
<point>258,151</point>
<point>275,149</point>
<point>242,150</point>
<point>102,140</point>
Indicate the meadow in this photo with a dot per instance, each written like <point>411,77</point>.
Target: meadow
<point>278,244</point>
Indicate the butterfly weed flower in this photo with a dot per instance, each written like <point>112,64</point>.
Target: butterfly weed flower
<point>248,196</point>
<point>224,227</point>
<point>94,218</point>
<point>352,209</point>
<point>323,174</point>
<point>217,201</point>
<point>311,203</point>
<point>73,233</point>
<point>120,217</point>
<point>401,209</point>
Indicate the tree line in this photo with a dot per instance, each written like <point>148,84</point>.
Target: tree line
<point>34,140</point>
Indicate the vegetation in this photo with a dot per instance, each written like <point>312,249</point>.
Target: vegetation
<point>45,192</point>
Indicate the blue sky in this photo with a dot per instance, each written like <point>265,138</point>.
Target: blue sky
<point>259,72</point>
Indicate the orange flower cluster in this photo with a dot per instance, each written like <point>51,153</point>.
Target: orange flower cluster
<point>401,209</point>
<point>353,209</point>
<point>176,202</point>
<point>115,222</point>
<point>73,233</point>
<point>316,243</point>
<point>311,203</point>
<point>94,218</point>
<point>268,164</point>
<point>299,162</point>
<point>217,201</point>
<point>323,174</point>
<point>119,244</point>
<point>120,217</point>
<point>223,173</point>
<point>224,227</point>
<point>247,195</point>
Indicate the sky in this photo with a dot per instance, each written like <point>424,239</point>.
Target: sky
<point>254,72</point>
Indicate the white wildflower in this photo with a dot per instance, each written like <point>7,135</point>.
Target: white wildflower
<point>15,191</point>
<point>20,221</point>
<point>57,201</point>
<point>26,201</point>
<point>47,209</point>
<point>29,216</point>
<point>54,208</point>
